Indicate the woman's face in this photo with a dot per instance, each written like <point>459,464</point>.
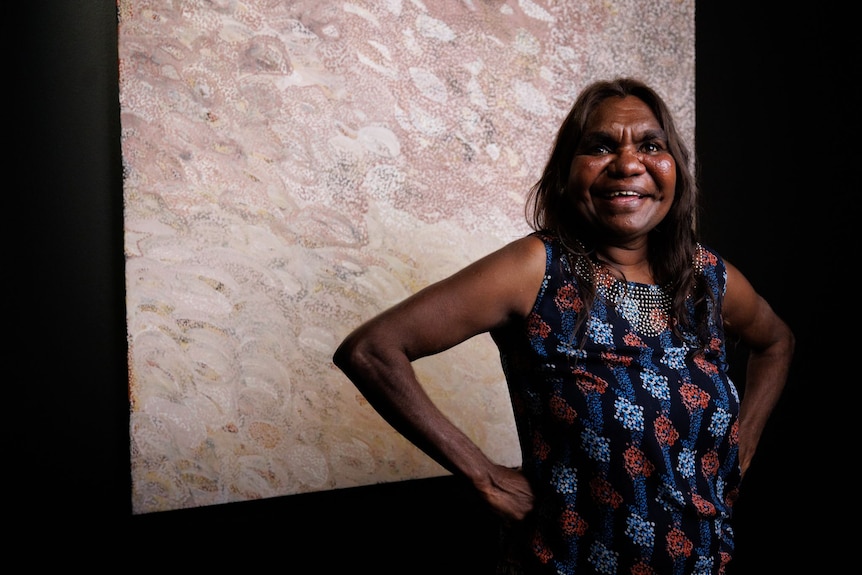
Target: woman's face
<point>622,177</point>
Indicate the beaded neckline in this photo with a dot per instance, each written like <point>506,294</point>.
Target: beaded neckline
<point>645,306</point>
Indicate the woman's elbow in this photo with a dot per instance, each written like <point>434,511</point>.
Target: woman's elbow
<point>345,354</point>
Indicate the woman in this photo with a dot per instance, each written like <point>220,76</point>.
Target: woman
<point>611,320</point>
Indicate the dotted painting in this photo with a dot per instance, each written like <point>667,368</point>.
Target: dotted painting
<point>293,168</point>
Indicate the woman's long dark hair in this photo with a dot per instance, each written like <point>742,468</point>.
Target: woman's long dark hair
<point>672,244</point>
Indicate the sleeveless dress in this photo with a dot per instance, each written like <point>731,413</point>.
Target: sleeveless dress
<point>628,436</point>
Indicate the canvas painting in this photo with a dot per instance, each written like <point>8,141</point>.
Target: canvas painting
<point>292,168</point>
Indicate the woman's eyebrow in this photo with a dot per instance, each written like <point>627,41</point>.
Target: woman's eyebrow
<point>597,137</point>
<point>654,134</point>
<point>602,137</point>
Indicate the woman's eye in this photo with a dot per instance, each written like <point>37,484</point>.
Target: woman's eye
<point>652,147</point>
<point>600,149</point>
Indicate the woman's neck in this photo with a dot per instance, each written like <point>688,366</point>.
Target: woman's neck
<point>631,262</point>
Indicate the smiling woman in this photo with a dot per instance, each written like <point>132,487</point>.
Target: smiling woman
<point>610,319</point>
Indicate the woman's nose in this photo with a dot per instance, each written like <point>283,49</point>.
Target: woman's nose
<point>627,163</point>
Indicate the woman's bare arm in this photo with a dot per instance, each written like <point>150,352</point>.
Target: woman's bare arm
<point>770,343</point>
<point>377,358</point>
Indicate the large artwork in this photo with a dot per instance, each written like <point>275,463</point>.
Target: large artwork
<point>293,168</point>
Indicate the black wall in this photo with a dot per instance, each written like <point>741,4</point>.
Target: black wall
<point>777,118</point>
<point>775,127</point>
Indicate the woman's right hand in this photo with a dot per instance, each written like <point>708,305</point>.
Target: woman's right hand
<point>508,493</point>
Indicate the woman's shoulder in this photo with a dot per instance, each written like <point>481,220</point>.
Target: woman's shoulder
<point>707,257</point>
<point>549,239</point>
<point>711,267</point>
<point>532,245</point>
<point>525,252</point>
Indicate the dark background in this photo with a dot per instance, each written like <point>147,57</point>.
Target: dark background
<point>777,121</point>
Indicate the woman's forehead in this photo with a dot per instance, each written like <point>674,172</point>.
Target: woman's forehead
<point>615,113</point>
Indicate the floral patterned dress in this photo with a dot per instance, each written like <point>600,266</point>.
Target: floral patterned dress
<point>628,436</point>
